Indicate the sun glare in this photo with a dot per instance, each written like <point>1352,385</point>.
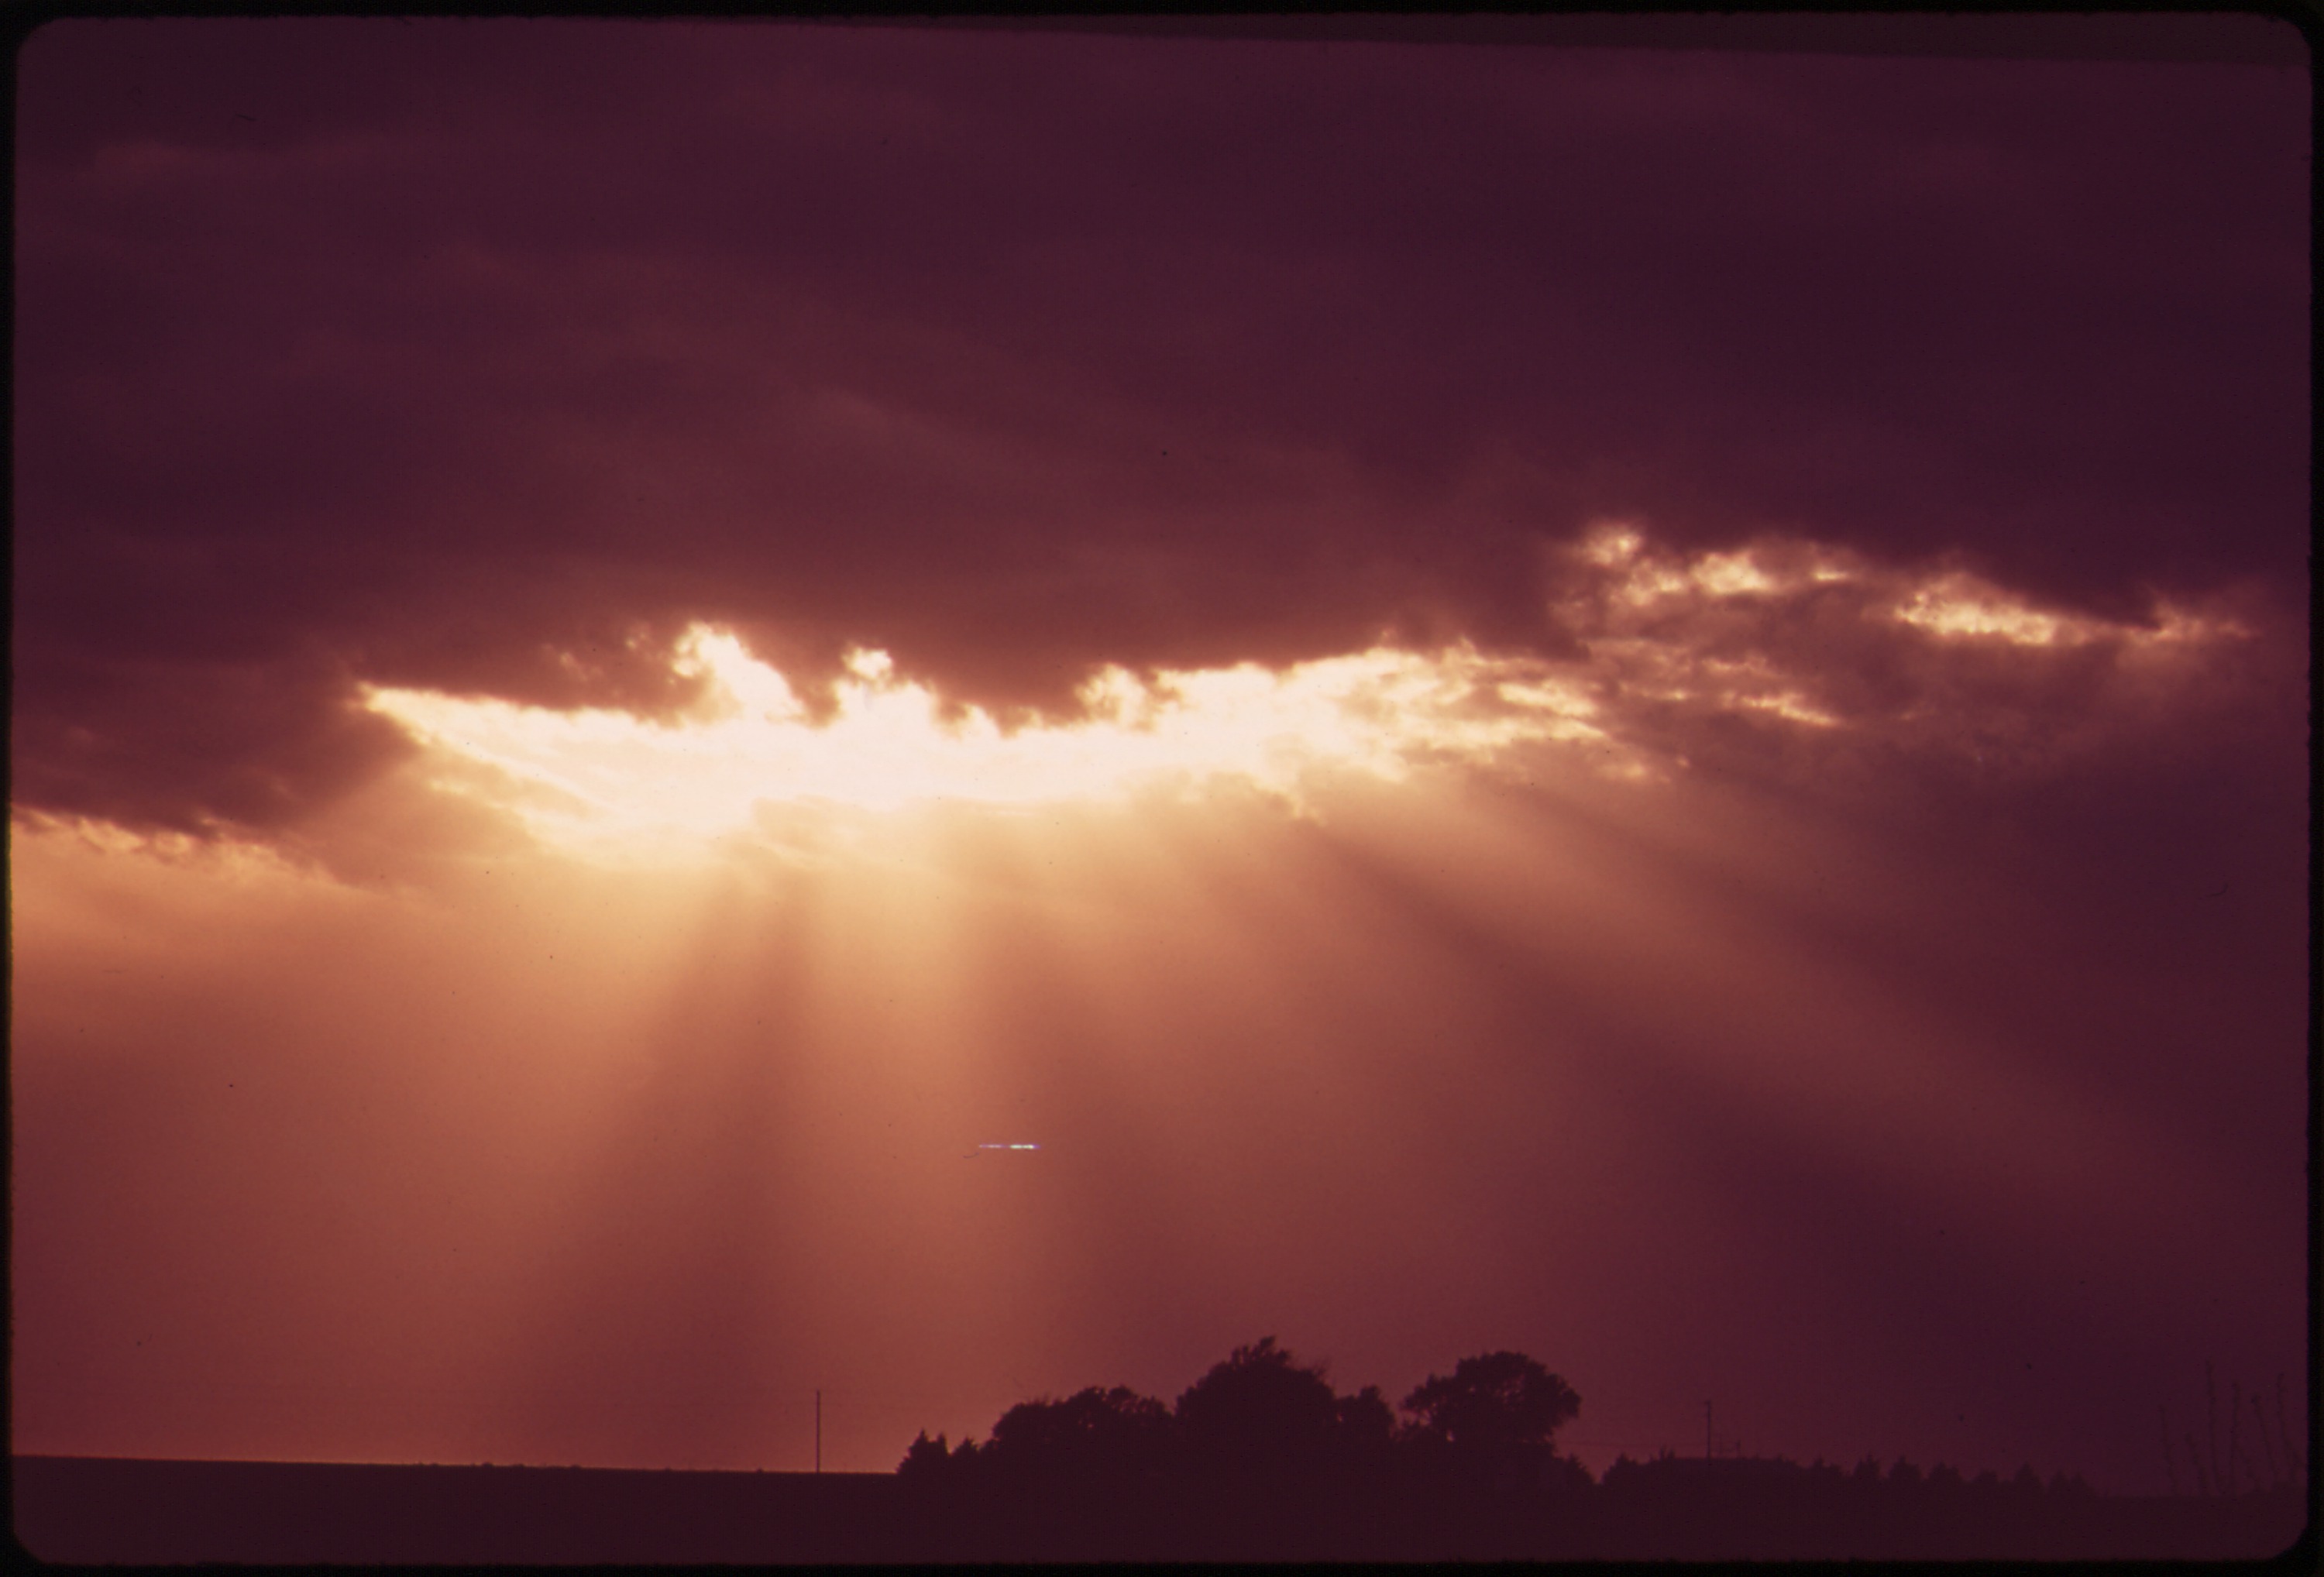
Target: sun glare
<point>1716,633</point>
<point>593,774</point>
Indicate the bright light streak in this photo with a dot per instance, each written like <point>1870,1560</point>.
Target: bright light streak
<point>1724,633</point>
<point>596,774</point>
<point>1729,575</point>
<point>1957,605</point>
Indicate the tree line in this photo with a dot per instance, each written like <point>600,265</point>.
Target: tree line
<point>1261,1456</point>
<point>1263,1417</point>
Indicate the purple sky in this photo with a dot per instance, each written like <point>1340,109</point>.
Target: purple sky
<point>1909,1055</point>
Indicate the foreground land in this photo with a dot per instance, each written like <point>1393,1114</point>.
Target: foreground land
<point>81,1510</point>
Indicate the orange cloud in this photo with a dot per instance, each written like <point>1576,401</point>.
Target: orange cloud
<point>1813,646</point>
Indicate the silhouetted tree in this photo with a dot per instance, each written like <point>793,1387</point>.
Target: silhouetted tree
<point>1260,1409</point>
<point>1097,1433</point>
<point>1277,1463</point>
<point>924,1460</point>
<point>1498,1403</point>
<point>1365,1420</point>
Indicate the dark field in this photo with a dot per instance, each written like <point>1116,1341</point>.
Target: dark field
<point>81,1510</point>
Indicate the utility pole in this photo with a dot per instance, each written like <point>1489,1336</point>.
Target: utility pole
<point>818,1432</point>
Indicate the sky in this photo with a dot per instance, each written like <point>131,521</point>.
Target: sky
<point>1637,692</point>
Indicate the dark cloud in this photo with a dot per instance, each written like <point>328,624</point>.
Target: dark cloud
<point>484,356</point>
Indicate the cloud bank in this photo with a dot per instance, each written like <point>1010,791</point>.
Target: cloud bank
<point>491,358</point>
